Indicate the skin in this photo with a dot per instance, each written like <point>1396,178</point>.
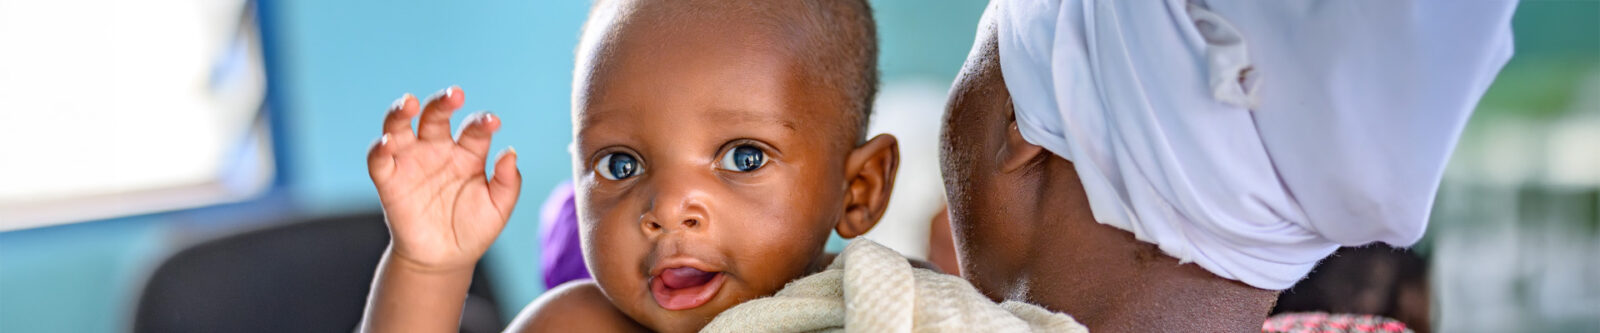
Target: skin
<point>760,229</point>
<point>678,100</point>
<point>443,211</point>
<point>1024,230</point>
<point>941,245</point>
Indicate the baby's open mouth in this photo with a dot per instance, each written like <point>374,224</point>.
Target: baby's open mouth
<point>684,287</point>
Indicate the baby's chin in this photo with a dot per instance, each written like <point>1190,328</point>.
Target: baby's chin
<point>688,320</point>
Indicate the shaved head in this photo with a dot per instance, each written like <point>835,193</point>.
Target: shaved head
<point>670,97</point>
<point>833,42</point>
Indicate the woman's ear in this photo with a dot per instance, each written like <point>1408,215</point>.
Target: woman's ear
<point>870,170</point>
<point>1017,151</point>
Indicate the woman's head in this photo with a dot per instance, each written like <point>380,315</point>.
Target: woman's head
<point>995,180</point>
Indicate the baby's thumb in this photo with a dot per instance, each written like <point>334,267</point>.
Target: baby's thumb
<point>506,183</point>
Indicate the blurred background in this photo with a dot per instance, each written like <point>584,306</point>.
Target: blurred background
<point>163,163</point>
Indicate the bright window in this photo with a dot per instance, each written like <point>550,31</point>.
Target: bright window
<point>110,108</point>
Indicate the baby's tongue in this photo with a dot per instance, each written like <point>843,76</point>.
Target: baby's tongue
<point>685,277</point>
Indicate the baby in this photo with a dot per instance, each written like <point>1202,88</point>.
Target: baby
<point>716,146</point>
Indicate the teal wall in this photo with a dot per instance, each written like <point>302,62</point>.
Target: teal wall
<point>344,61</point>
<point>338,65</point>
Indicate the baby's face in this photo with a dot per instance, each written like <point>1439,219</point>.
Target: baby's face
<point>707,172</point>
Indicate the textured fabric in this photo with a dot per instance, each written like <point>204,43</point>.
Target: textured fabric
<point>560,257</point>
<point>1320,322</point>
<point>1253,137</point>
<point>871,288</point>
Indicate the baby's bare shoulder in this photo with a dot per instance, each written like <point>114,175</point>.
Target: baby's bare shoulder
<point>576,306</point>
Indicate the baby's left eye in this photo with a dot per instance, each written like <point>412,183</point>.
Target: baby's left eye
<point>743,159</point>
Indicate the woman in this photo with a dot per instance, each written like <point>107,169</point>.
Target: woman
<point>1166,165</point>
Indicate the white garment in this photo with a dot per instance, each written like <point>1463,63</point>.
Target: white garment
<point>871,288</point>
<point>1253,137</point>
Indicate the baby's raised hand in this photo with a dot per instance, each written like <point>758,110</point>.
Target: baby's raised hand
<point>443,210</point>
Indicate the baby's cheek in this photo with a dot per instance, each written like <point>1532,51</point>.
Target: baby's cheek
<point>620,277</point>
<point>613,252</point>
<point>774,250</point>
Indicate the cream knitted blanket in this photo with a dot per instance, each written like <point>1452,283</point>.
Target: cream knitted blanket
<point>870,288</point>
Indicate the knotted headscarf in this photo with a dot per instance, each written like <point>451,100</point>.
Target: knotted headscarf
<point>1253,137</point>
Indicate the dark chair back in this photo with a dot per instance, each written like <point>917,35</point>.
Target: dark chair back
<point>309,276</point>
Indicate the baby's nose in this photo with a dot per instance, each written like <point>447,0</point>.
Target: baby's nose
<point>677,203</point>
<point>684,216</point>
<point>657,226</point>
<point>689,223</point>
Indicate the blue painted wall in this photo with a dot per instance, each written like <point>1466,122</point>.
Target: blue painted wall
<point>338,65</point>
<point>344,61</point>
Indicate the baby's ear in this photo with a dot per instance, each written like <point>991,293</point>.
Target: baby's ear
<point>870,171</point>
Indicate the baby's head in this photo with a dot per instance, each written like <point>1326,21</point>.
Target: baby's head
<point>717,144</point>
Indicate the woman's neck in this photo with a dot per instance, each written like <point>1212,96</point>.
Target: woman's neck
<point>1110,281</point>
<point>1154,299</point>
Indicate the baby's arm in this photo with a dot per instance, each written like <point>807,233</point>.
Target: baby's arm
<point>577,306</point>
<point>443,212</point>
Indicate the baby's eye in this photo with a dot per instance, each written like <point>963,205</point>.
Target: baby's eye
<point>743,159</point>
<point>618,166</point>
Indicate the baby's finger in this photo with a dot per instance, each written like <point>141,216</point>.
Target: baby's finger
<point>477,132</point>
<point>435,122</point>
<point>380,158</point>
<point>398,123</point>
<point>506,183</point>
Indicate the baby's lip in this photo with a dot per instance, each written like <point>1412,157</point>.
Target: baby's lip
<point>684,294</point>
<point>684,283</point>
<point>663,265</point>
<point>685,277</point>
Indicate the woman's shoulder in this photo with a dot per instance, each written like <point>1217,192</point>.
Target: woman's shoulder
<point>573,306</point>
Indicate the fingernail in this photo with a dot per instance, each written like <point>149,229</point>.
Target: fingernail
<point>451,91</point>
<point>399,103</point>
<point>383,140</point>
<point>488,116</point>
<point>442,94</point>
<point>509,151</point>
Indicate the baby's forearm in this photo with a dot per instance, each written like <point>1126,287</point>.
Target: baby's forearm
<point>409,298</point>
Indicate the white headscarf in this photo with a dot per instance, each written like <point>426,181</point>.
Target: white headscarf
<point>1253,137</point>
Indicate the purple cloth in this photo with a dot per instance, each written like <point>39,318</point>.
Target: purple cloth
<point>560,257</point>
